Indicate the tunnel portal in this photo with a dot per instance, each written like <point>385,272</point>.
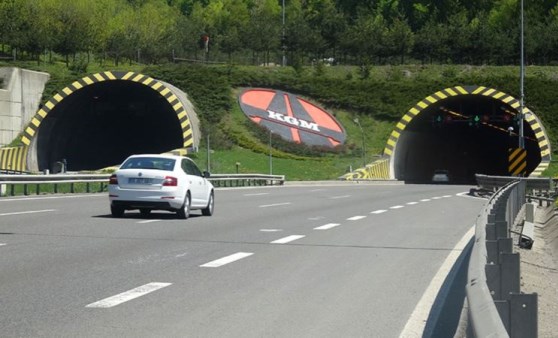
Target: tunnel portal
<point>99,120</point>
<point>101,124</point>
<point>464,134</point>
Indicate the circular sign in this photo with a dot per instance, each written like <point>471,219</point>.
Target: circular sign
<point>291,117</point>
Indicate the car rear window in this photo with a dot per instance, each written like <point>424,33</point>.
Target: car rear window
<point>149,163</point>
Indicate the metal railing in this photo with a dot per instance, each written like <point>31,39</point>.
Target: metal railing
<point>497,308</point>
<point>37,184</point>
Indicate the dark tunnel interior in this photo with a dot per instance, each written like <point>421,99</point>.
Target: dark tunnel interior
<point>101,124</point>
<point>465,135</point>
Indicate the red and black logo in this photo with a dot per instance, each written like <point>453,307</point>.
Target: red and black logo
<point>291,117</point>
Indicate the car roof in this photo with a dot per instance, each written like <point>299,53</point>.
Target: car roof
<point>176,157</point>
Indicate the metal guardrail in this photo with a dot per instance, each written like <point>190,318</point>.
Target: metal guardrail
<point>536,184</point>
<point>497,308</point>
<point>34,182</point>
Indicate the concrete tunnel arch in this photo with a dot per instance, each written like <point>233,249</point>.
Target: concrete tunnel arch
<point>99,120</point>
<point>417,147</point>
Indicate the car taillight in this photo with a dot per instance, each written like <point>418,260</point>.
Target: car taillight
<point>113,179</point>
<point>170,181</point>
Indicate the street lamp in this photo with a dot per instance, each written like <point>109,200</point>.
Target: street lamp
<point>363,143</point>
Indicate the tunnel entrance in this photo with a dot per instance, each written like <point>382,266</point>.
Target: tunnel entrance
<point>102,123</point>
<point>463,134</point>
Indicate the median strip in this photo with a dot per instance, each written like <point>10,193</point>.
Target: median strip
<point>128,295</point>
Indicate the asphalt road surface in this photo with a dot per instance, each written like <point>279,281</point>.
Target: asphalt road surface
<point>292,261</point>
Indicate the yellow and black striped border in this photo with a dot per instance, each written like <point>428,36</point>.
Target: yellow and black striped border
<point>530,117</point>
<point>187,134</point>
<point>13,158</point>
<point>378,170</point>
<point>517,161</point>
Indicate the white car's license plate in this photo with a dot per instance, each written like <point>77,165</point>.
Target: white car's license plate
<point>139,180</point>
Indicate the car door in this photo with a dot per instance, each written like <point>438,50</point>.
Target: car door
<point>197,182</point>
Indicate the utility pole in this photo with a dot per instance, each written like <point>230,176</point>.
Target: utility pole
<point>270,156</point>
<point>363,142</point>
<point>522,83</point>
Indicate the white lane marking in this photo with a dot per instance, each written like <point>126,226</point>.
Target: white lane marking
<point>425,200</point>
<point>355,218</point>
<point>317,218</point>
<point>274,205</point>
<point>437,198</point>
<point>288,239</point>
<point>466,195</point>
<point>150,221</point>
<point>446,196</point>
<point>258,194</point>
<point>396,207</point>
<point>270,230</point>
<point>128,295</point>
<point>315,190</point>
<point>226,260</point>
<point>2,244</point>
<point>338,197</point>
<point>26,212</point>
<point>327,226</point>
<point>417,322</point>
<point>412,203</point>
<point>381,211</point>
<point>50,197</point>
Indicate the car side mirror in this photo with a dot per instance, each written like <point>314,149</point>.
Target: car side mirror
<point>206,174</point>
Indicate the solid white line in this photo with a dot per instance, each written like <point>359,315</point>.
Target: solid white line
<point>258,194</point>
<point>50,197</point>
<point>355,218</point>
<point>150,221</point>
<point>425,200</point>
<point>381,211</point>
<point>288,239</point>
<point>128,295</point>
<point>412,203</point>
<point>226,260</point>
<point>27,212</point>
<point>338,197</point>
<point>396,207</point>
<point>417,322</point>
<point>327,226</point>
<point>274,205</point>
<point>270,230</point>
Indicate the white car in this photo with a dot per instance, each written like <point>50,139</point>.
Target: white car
<point>440,176</point>
<point>160,182</point>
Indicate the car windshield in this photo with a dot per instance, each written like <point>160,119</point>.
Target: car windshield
<point>149,163</point>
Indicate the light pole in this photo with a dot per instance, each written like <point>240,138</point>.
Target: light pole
<point>522,80</point>
<point>363,142</point>
<point>208,151</point>
<point>270,156</point>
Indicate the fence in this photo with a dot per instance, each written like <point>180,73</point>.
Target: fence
<point>497,308</point>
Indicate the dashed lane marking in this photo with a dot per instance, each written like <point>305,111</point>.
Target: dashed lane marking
<point>412,203</point>
<point>274,205</point>
<point>2,244</point>
<point>271,230</point>
<point>446,196</point>
<point>396,207</point>
<point>339,197</point>
<point>150,221</point>
<point>355,218</point>
<point>288,239</point>
<point>227,260</point>
<point>378,211</point>
<point>128,295</point>
<point>437,198</point>
<point>327,226</point>
<point>257,194</point>
<point>425,200</point>
<point>26,212</point>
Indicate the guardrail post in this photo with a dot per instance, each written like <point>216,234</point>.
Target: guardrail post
<point>503,308</point>
<point>510,275</point>
<point>492,272</point>
<point>501,229</point>
<point>523,315</point>
<point>87,187</point>
<point>38,189</point>
<point>25,190</point>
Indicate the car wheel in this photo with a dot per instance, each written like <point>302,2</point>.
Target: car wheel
<point>208,211</point>
<point>116,211</point>
<point>184,212</point>
<point>145,212</point>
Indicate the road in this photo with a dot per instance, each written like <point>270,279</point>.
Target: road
<point>306,261</point>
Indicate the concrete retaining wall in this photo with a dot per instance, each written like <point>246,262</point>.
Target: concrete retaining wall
<point>20,96</point>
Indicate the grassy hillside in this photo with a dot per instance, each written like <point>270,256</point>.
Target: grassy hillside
<point>378,96</point>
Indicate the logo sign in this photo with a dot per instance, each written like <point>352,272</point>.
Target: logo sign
<point>291,117</point>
